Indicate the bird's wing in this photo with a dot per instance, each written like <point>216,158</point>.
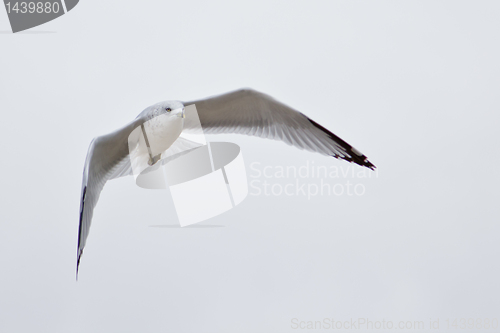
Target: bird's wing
<point>253,113</point>
<point>107,158</point>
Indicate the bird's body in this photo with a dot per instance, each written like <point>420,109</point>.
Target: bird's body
<point>162,131</point>
<point>156,134</point>
<point>156,130</point>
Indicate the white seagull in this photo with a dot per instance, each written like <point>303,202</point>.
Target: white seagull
<point>244,111</point>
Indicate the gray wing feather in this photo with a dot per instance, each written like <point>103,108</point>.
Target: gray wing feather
<point>253,113</point>
<point>107,158</point>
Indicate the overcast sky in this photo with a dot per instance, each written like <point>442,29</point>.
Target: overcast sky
<point>414,85</point>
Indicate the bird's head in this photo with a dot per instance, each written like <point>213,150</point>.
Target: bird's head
<point>168,108</point>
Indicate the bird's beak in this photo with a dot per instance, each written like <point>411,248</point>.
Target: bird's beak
<point>180,114</point>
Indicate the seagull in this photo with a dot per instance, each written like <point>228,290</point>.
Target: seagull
<point>244,111</point>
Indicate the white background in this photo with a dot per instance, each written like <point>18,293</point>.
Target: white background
<point>413,85</point>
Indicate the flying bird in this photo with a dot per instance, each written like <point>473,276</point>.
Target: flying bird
<point>244,111</point>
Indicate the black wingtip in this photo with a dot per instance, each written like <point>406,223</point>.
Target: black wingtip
<point>365,162</point>
<point>79,251</point>
<point>79,256</point>
<point>354,156</point>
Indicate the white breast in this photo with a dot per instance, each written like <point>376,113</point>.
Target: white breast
<point>162,131</point>
<point>159,134</point>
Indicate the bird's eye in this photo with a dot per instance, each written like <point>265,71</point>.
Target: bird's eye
<point>168,109</point>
